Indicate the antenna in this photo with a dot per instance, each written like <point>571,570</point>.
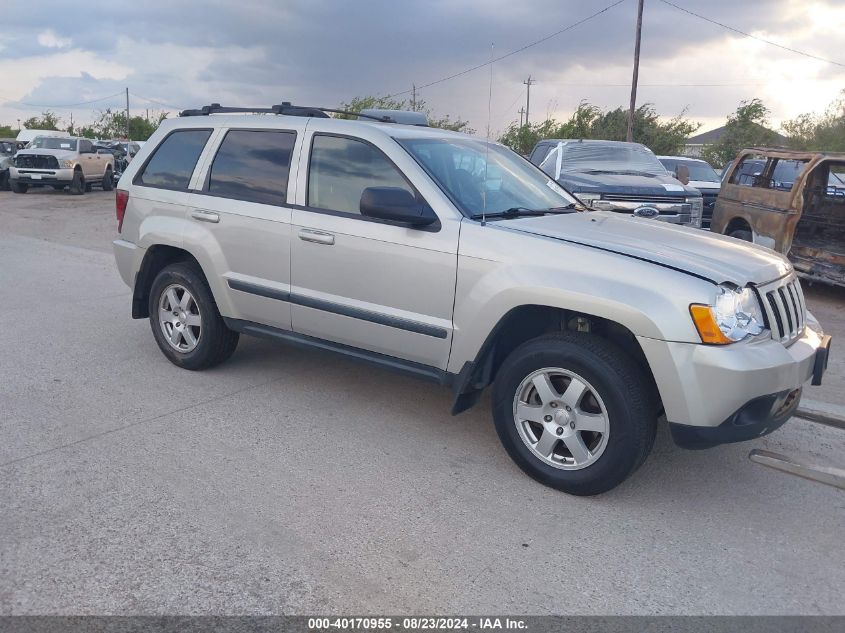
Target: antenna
<point>487,144</point>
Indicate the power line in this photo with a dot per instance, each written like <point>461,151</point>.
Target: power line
<point>513,52</point>
<point>753,37</point>
<point>66,105</point>
<point>161,103</point>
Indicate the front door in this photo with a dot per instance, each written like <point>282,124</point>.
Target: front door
<point>366,283</point>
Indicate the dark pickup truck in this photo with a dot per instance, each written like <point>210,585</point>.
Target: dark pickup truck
<point>621,177</point>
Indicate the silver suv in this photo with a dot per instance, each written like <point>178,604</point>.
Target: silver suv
<point>62,162</point>
<point>456,260</point>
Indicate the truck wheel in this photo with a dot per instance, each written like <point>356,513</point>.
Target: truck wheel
<point>185,320</point>
<point>108,180</point>
<point>77,185</point>
<point>742,234</point>
<point>574,412</point>
<point>19,187</point>
<point>4,181</point>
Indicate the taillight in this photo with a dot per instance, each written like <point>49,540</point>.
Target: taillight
<point>121,198</point>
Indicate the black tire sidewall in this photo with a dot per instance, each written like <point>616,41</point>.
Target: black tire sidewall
<point>108,180</point>
<point>213,330</point>
<point>625,404</point>
<point>742,234</point>
<point>77,185</point>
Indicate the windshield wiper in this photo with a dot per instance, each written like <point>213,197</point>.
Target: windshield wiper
<point>519,212</point>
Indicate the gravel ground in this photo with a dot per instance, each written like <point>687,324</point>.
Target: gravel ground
<point>295,482</point>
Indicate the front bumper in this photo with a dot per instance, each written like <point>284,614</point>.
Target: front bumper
<point>41,176</point>
<point>709,386</point>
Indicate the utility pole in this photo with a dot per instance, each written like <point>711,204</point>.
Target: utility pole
<point>127,113</point>
<point>630,135</point>
<point>71,121</point>
<point>521,112</point>
<point>528,83</point>
<point>414,97</point>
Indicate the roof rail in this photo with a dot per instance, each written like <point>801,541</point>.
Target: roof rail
<point>284,108</point>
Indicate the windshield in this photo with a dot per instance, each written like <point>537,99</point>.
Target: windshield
<point>601,158</point>
<point>698,169</point>
<point>49,142</point>
<point>7,148</point>
<point>482,177</point>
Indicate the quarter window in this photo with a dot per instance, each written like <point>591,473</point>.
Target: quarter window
<point>341,168</point>
<point>174,160</point>
<point>253,165</point>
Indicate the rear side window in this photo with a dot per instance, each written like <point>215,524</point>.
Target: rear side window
<point>340,170</point>
<point>539,154</point>
<point>173,162</point>
<point>253,166</point>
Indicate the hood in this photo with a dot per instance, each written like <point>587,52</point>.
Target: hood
<point>58,153</point>
<point>631,184</point>
<point>710,256</point>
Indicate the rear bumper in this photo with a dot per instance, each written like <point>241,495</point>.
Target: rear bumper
<point>128,257</point>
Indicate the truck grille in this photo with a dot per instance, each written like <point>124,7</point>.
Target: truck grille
<point>35,161</point>
<point>785,310</point>
<point>643,199</point>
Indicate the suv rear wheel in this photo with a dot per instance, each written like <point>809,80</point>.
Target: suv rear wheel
<point>574,412</point>
<point>185,320</point>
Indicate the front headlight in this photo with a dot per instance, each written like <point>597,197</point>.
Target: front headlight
<point>67,164</point>
<point>588,198</point>
<point>735,314</point>
<point>696,210</point>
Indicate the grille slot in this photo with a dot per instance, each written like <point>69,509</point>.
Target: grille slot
<point>644,199</point>
<point>36,161</point>
<point>786,311</point>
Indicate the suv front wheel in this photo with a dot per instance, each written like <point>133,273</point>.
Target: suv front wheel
<point>185,320</point>
<point>574,412</point>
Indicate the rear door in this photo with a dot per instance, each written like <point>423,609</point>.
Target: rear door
<point>362,282</point>
<point>239,217</point>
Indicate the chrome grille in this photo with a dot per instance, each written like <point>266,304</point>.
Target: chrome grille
<point>785,309</point>
<point>644,199</point>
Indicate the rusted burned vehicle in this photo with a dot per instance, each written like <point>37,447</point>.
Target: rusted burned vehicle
<point>792,202</point>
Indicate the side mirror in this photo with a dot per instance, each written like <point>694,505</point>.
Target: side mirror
<point>396,205</point>
<point>682,174</point>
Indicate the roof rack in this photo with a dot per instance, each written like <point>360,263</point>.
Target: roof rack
<point>283,108</point>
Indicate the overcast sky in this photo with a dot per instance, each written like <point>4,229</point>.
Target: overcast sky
<point>321,52</point>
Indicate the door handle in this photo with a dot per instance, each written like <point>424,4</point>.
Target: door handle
<point>318,237</point>
<point>205,216</point>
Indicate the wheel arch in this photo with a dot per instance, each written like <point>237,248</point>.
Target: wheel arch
<point>526,322</point>
<point>157,257</point>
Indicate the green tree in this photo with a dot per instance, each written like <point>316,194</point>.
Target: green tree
<point>819,132</point>
<point>111,125</point>
<point>387,103</point>
<point>590,122</point>
<point>47,121</point>
<point>747,127</point>
<point>6,131</point>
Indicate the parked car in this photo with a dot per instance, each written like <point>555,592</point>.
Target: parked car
<point>61,162</point>
<point>7,152</point>
<point>792,202</point>
<point>448,258</point>
<point>701,176</point>
<point>620,177</point>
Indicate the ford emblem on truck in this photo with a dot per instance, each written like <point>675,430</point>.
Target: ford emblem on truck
<point>646,212</point>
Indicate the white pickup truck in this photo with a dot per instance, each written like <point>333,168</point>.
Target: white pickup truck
<point>61,162</point>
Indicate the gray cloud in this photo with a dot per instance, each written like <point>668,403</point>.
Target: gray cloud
<point>322,52</point>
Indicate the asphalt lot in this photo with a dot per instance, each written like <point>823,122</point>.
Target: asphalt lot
<point>295,482</point>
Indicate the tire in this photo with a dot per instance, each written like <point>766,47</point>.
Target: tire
<point>742,234</point>
<point>4,181</point>
<point>20,187</point>
<point>77,185</point>
<point>616,404</point>
<point>213,341</point>
<point>108,180</point>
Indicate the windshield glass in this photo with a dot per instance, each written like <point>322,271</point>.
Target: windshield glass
<point>698,169</point>
<point>482,177</point>
<point>49,142</point>
<point>601,158</point>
